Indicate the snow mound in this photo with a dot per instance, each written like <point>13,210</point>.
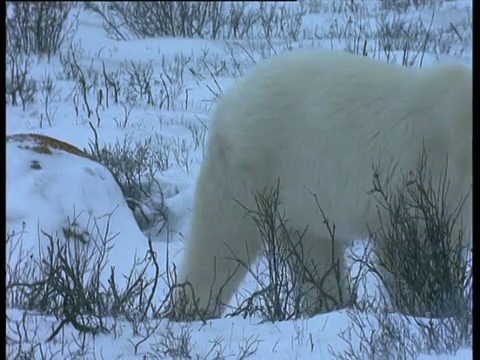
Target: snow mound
<point>54,188</point>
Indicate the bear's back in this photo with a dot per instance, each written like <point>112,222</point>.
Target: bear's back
<point>308,110</point>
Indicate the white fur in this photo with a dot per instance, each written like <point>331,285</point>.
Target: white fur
<point>318,121</point>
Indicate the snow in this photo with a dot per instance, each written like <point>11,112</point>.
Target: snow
<point>52,193</point>
<point>68,186</point>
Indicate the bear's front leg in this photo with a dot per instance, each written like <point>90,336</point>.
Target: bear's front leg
<point>222,242</point>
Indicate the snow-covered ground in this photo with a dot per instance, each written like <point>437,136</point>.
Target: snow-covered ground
<point>48,193</point>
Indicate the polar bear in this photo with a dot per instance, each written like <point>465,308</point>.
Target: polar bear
<point>317,121</point>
